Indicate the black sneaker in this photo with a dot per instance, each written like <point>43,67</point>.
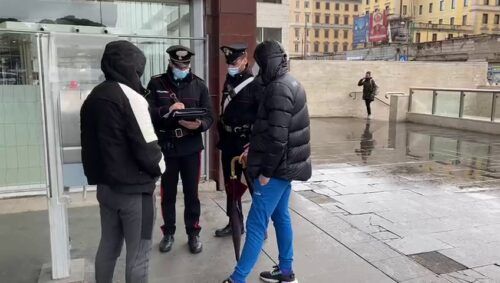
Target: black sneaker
<point>224,232</point>
<point>228,280</point>
<point>166,243</point>
<point>275,276</point>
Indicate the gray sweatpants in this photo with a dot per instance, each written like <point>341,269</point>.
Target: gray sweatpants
<point>129,217</point>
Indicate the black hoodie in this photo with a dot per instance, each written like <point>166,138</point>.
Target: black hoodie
<point>279,145</point>
<point>119,145</point>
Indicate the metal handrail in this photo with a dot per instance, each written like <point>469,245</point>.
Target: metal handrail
<point>354,94</point>
<point>456,89</point>
<point>493,92</point>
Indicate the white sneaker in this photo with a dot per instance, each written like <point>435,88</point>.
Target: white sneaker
<point>369,117</point>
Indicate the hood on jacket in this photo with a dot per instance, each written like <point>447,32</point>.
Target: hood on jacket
<point>272,60</point>
<point>124,62</point>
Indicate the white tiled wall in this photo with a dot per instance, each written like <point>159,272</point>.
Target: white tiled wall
<point>21,138</point>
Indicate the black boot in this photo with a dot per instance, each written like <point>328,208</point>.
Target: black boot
<point>195,246</point>
<point>166,243</point>
<point>224,232</point>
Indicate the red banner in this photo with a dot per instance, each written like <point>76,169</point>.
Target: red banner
<point>378,27</point>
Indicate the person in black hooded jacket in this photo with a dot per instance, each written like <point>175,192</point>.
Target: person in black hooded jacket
<point>279,152</point>
<point>121,155</point>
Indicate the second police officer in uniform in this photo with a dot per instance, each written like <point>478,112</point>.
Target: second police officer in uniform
<point>181,142</point>
<point>240,102</point>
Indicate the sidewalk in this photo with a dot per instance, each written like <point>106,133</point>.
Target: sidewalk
<point>387,203</point>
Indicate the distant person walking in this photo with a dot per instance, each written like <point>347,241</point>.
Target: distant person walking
<point>369,91</point>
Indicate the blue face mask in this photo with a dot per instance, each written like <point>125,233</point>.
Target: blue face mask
<point>233,71</point>
<point>180,74</point>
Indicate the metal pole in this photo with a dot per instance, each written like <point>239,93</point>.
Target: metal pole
<point>493,107</point>
<point>411,98</point>
<point>434,98</point>
<point>461,106</point>
<point>58,216</point>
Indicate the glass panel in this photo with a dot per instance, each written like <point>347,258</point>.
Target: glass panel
<point>159,17</point>
<point>444,149</point>
<point>418,145</point>
<point>22,159</point>
<point>421,102</point>
<point>447,103</point>
<point>477,105</point>
<point>272,34</point>
<point>75,69</point>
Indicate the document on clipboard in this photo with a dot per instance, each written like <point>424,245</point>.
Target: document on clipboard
<point>189,114</point>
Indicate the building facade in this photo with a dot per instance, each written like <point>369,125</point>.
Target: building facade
<point>321,27</point>
<point>435,20</point>
<point>272,20</point>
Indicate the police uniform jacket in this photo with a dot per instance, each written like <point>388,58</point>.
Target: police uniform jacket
<point>193,93</point>
<point>234,125</point>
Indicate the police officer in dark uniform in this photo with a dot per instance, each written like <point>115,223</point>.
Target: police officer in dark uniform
<point>181,141</point>
<point>240,102</point>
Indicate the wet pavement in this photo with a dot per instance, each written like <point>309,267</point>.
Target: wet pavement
<point>387,203</point>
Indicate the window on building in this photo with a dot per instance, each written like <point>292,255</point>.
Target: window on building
<point>417,37</point>
<point>405,10</point>
<point>367,2</point>
<point>387,8</point>
<point>485,19</point>
<point>316,33</point>
<point>450,35</point>
<point>441,5</point>
<point>337,6</point>
<point>486,2</point>
<point>306,4</point>
<point>264,34</point>
<point>316,47</point>
<point>270,1</point>
<point>434,37</point>
<point>297,32</point>
<point>336,19</point>
<point>317,19</point>
<point>356,7</point>
<point>498,2</point>
<point>497,20</point>
<point>464,20</point>
<point>453,4</point>
<point>420,9</point>
<point>440,21</point>
<point>335,34</point>
<point>344,46</point>
<point>318,5</point>
<point>326,46</point>
<point>297,18</point>
<point>327,5</point>
<point>335,47</point>
<point>296,49</point>
<point>346,20</point>
<point>346,34</point>
<point>327,19</point>
<point>346,7</point>
<point>430,7</point>
<point>452,21</point>
<point>327,33</point>
<point>307,32</point>
<point>430,22</point>
<point>466,3</point>
<point>307,18</point>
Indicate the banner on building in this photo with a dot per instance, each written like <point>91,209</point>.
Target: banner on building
<point>378,27</point>
<point>360,29</point>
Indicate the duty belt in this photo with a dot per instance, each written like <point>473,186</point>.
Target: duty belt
<point>177,133</point>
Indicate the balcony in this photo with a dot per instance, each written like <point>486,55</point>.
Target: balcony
<point>443,27</point>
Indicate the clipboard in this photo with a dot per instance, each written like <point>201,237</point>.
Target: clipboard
<point>189,114</point>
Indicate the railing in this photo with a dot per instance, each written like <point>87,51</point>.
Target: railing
<point>473,104</point>
<point>354,95</point>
